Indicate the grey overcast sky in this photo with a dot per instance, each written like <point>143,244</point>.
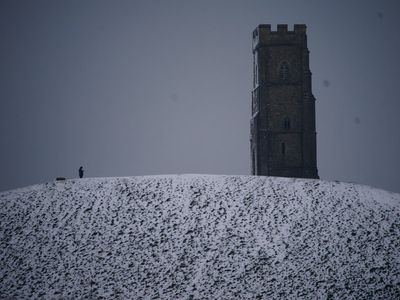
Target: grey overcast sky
<point>160,87</point>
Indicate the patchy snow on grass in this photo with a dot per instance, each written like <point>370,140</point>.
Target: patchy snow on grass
<point>199,236</point>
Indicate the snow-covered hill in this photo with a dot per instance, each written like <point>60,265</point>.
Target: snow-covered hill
<point>196,236</point>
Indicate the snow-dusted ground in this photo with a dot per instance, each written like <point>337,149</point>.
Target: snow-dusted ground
<point>196,236</point>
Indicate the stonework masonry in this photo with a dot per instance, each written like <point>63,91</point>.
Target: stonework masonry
<point>282,127</point>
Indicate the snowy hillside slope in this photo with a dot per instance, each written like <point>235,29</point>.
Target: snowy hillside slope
<point>198,236</point>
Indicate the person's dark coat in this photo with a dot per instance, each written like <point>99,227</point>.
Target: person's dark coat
<point>80,172</point>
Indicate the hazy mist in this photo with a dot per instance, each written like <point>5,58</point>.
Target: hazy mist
<point>128,88</point>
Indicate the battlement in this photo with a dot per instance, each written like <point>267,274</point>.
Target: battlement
<point>280,28</point>
<point>264,34</point>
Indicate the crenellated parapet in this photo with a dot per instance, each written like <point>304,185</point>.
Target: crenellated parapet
<point>263,35</point>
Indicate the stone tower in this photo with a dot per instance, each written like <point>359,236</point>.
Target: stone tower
<point>283,136</point>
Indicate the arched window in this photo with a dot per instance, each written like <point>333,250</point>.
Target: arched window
<point>284,71</point>
<point>286,124</point>
<point>283,148</point>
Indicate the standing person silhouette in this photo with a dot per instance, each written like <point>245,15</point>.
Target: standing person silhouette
<point>81,172</point>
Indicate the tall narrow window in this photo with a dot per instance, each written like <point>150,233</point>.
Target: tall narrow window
<point>284,71</point>
<point>286,123</point>
<point>283,148</point>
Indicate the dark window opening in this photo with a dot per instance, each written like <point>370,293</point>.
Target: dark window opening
<point>286,124</point>
<point>283,148</point>
<point>284,71</point>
